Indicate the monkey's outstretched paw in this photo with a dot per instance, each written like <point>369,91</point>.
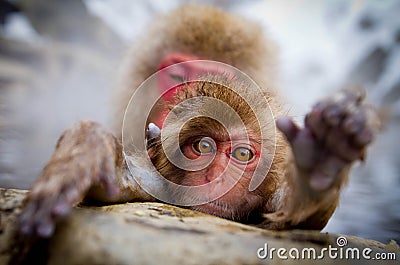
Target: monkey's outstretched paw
<point>83,159</point>
<point>336,133</point>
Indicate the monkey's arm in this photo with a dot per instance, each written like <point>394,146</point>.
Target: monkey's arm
<point>87,163</point>
<point>335,135</point>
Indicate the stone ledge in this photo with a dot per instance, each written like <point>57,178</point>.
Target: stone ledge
<point>156,233</point>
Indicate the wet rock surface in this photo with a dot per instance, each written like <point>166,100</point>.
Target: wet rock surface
<point>156,233</point>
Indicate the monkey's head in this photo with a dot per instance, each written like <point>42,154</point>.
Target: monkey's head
<point>212,136</point>
<point>193,32</point>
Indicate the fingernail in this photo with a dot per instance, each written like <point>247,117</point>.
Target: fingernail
<point>351,126</point>
<point>26,230</point>
<point>61,209</point>
<point>332,116</point>
<point>45,230</point>
<point>365,137</point>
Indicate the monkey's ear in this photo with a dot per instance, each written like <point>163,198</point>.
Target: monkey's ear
<point>152,133</point>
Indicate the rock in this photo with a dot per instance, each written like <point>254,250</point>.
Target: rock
<point>156,233</point>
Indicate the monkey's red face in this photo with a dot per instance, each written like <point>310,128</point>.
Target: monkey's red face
<point>228,162</point>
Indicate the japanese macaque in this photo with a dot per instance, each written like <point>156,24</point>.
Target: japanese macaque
<point>308,166</point>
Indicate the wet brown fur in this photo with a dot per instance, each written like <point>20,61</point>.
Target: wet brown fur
<point>90,158</point>
<point>203,31</point>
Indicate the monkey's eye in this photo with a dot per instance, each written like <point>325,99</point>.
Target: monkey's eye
<point>242,154</point>
<point>203,146</point>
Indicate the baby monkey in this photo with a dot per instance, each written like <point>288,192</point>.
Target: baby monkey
<point>308,165</point>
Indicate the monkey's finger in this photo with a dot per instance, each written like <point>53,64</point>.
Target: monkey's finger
<point>363,138</point>
<point>45,227</point>
<point>343,104</point>
<point>36,218</point>
<point>355,121</point>
<point>108,178</point>
<point>340,144</point>
<point>356,94</point>
<point>334,113</point>
<point>314,120</point>
<point>65,201</point>
<point>305,149</point>
<point>302,142</point>
<point>62,208</point>
<point>43,219</point>
<point>362,133</point>
<point>324,175</point>
<point>288,127</point>
<point>26,226</point>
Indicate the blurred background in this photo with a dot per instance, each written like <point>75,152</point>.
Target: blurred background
<point>59,62</point>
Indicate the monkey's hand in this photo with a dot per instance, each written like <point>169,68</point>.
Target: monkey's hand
<point>86,156</point>
<point>336,133</point>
